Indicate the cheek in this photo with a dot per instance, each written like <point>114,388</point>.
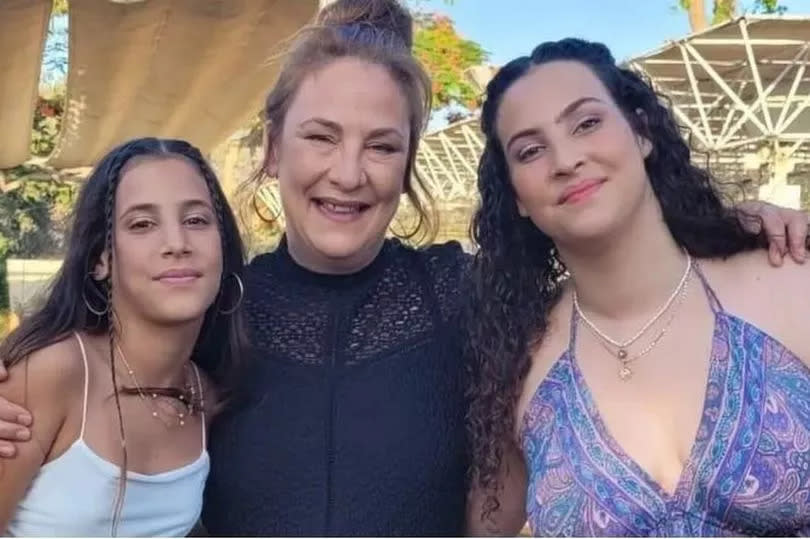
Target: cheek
<point>131,262</point>
<point>388,180</point>
<point>531,188</point>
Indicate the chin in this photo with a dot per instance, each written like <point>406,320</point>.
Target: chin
<point>179,311</point>
<point>339,245</point>
<point>584,229</point>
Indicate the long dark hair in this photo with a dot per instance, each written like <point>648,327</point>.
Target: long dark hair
<point>517,270</point>
<point>76,302</point>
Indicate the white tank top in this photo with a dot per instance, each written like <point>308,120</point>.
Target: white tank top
<point>74,494</point>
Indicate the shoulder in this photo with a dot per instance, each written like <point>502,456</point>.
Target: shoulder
<point>447,268</point>
<point>776,299</point>
<point>51,369</point>
<point>442,261</point>
<point>48,383</point>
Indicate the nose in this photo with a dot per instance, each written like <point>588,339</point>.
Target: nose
<point>347,172</point>
<point>175,240</point>
<point>567,158</point>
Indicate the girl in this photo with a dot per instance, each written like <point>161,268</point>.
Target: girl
<point>119,365</point>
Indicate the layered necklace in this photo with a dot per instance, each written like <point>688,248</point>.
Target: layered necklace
<point>182,403</point>
<point>620,349</point>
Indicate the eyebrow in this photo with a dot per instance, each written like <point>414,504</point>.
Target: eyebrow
<point>567,111</point>
<point>334,126</point>
<point>153,208</point>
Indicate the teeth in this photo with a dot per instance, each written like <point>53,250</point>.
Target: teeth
<point>340,208</point>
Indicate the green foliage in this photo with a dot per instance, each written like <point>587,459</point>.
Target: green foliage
<point>60,7</point>
<point>446,56</point>
<point>33,216</point>
<point>769,6</point>
<point>723,10</point>
<point>47,121</point>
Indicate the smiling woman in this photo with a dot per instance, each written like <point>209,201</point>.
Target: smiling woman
<point>627,334</point>
<point>119,366</point>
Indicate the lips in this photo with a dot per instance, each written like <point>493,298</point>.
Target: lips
<point>341,210</point>
<point>580,191</point>
<point>178,276</point>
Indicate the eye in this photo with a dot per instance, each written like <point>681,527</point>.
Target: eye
<point>197,221</point>
<point>141,225</point>
<point>588,124</point>
<point>528,152</point>
<point>384,148</point>
<point>317,137</point>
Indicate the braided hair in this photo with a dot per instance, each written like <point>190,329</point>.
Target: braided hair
<point>76,302</point>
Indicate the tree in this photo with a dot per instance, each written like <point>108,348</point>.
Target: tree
<point>723,10</point>
<point>446,56</point>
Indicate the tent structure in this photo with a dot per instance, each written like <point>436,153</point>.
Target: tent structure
<point>743,90</point>
<point>192,69</point>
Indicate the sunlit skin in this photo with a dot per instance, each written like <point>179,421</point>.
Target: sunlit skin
<point>340,160</point>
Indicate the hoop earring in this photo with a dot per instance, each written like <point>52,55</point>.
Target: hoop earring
<point>94,310</point>
<point>258,204</point>
<point>241,295</point>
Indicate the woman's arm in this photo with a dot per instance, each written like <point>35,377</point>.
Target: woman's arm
<point>45,383</point>
<point>786,229</point>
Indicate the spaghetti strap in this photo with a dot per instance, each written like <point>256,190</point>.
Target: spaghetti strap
<point>572,335</point>
<point>86,383</point>
<point>202,403</point>
<point>714,301</point>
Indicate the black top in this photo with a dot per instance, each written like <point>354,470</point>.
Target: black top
<point>354,420</point>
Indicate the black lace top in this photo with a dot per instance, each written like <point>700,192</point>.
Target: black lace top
<point>354,420</point>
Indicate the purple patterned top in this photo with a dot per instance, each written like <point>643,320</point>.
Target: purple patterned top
<point>749,468</point>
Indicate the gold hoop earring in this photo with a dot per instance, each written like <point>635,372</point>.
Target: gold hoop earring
<point>238,303</point>
<point>258,204</point>
<point>96,311</point>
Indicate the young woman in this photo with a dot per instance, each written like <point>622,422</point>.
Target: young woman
<point>639,366</point>
<point>353,416</point>
<point>118,367</point>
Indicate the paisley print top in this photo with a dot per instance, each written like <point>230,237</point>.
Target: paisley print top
<point>749,468</point>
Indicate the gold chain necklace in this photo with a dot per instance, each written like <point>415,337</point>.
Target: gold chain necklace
<point>625,372</point>
<point>622,346</point>
<point>152,403</point>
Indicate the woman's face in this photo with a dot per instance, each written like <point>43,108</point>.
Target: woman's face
<point>575,162</point>
<point>167,262</point>
<point>340,159</point>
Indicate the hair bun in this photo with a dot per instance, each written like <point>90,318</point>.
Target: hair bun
<point>382,15</point>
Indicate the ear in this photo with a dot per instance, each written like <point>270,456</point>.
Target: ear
<point>646,146</point>
<point>270,152</point>
<point>102,269</point>
<point>521,209</point>
<point>644,143</point>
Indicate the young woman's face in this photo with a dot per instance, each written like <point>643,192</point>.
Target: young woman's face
<point>167,262</point>
<point>575,162</point>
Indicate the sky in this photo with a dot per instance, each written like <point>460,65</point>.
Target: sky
<point>510,28</point>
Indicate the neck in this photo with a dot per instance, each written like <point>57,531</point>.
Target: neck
<point>631,274</point>
<point>318,263</point>
<point>157,354</point>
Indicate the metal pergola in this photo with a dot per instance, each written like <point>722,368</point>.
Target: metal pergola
<point>743,90</point>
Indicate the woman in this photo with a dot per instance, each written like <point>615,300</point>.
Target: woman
<point>662,387</point>
<point>352,422</point>
<point>118,366</point>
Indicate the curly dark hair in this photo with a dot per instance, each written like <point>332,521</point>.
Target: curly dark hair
<point>517,271</point>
